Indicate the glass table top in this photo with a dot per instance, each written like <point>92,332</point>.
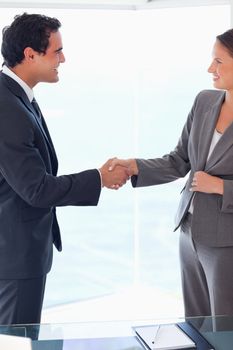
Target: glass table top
<point>218,330</point>
<point>115,335</point>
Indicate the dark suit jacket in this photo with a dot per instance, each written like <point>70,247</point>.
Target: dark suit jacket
<point>30,189</point>
<point>212,222</point>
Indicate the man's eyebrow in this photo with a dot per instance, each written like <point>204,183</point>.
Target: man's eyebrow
<point>58,50</point>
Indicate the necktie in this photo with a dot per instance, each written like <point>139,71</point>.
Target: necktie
<point>37,109</point>
<point>43,127</point>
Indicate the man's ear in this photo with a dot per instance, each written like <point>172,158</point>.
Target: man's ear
<point>29,54</point>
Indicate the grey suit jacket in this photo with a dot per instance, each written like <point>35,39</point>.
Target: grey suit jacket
<point>30,189</point>
<point>212,221</point>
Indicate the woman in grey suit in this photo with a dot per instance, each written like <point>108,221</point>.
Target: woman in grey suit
<point>205,213</point>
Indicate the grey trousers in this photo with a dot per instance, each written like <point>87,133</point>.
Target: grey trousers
<point>207,276</point>
<point>21,300</point>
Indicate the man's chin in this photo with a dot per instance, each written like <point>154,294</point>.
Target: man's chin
<point>54,80</point>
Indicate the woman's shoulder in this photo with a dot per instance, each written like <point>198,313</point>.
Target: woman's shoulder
<point>208,98</point>
<point>210,94</point>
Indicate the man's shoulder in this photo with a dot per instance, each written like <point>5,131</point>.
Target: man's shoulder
<point>4,89</point>
<point>4,81</point>
<point>2,77</point>
<point>9,87</point>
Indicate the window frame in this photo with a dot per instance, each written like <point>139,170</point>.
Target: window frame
<point>111,4</point>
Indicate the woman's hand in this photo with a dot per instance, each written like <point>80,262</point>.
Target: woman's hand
<point>203,182</point>
<point>129,164</point>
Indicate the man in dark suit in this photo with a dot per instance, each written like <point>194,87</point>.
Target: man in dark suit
<point>30,189</point>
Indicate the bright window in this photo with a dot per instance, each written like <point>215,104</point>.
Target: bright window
<point>125,90</point>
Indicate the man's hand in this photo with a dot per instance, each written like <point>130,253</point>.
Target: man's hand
<point>115,178</point>
<point>129,164</point>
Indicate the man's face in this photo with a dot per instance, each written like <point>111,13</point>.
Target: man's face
<point>46,65</point>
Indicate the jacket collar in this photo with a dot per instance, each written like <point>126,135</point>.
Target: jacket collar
<point>206,132</point>
<point>10,73</point>
<point>16,89</point>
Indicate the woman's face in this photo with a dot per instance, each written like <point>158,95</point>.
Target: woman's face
<point>221,67</point>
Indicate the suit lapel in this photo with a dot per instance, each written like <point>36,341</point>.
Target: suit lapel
<point>225,142</point>
<point>29,106</point>
<point>17,90</point>
<point>207,130</point>
<point>43,128</point>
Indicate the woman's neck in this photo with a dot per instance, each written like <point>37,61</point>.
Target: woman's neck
<point>229,100</point>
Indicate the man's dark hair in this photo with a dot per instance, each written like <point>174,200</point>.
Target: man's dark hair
<point>226,39</point>
<point>27,30</point>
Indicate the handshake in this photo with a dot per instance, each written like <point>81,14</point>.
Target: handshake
<point>115,172</point>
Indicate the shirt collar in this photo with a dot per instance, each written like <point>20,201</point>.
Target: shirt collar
<point>24,86</point>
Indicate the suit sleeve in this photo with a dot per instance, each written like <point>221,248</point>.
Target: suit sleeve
<point>171,166</point>
<point>24,165</point>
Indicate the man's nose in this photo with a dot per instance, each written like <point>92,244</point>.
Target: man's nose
<point>62,57</point>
